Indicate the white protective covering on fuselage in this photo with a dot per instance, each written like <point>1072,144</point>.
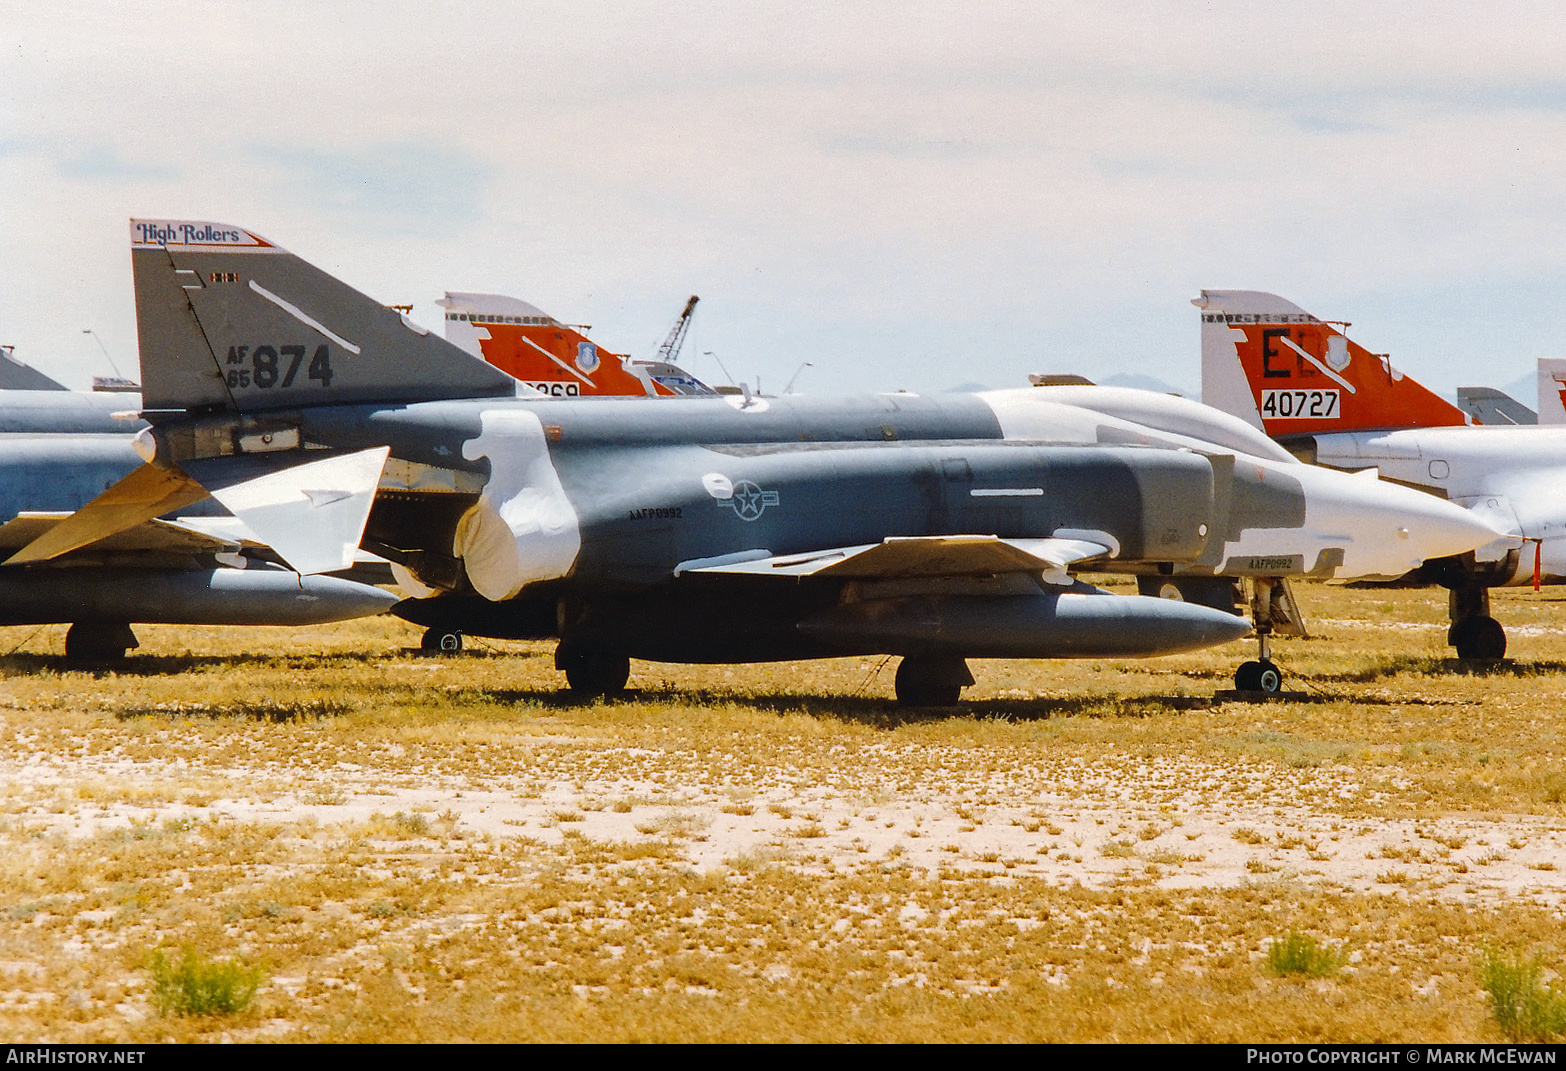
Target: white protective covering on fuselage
<point>1382,529</point>
<point>523,528</point>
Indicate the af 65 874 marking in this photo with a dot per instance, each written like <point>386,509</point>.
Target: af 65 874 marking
<point>265,365</point>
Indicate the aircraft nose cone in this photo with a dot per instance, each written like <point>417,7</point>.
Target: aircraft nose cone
<point>1431,527</point>
<point>1440,528</point>
<point>1386,529</point>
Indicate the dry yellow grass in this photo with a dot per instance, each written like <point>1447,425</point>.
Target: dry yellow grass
<point>445,849</point>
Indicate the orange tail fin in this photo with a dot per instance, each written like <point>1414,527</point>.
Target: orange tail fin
<point>528,344</point>
<point>1552,390</point>
<point>1271,363</point>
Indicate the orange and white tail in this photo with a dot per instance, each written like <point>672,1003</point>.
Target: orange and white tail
<point>530,345</point>
<point>1274,365</point>
<point>1552,390</point>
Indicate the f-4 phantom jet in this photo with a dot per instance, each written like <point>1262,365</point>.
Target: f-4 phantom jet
<point>717,529</point>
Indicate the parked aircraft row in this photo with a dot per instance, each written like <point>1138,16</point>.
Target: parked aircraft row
<point>58,448</point>
<point>294,421</point>
<point>706,528</point>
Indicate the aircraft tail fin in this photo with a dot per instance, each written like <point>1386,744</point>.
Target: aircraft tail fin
<point>1552,390</point>
<point>554,358</point>
<point>1274,365</point>
<point>15,375</point>
<point>1486,405</point>
<point>231,322</point>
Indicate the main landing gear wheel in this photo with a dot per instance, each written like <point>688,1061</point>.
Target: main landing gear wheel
<point>931,682</point>
<point>592,672</point>
<point>1479,637</point>
<point>441,641</point>
<point>94,641</point>
<point>1260,676</point>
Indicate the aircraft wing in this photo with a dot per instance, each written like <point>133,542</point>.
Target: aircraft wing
<point>172,536</point>
<point>907,557</point>
<point>312,514</point>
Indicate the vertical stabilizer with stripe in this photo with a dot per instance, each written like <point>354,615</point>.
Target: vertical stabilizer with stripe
<point>1271,363</point>
<point>230,322</point>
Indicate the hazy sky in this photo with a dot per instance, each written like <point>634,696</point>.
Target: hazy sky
<point>907,195</point>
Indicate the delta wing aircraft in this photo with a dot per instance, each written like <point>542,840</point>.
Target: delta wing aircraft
<point>1330,401</point>
<point>60,448</point>
<point>714,529</point>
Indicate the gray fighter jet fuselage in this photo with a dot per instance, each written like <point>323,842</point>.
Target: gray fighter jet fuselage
<point>646,540</point>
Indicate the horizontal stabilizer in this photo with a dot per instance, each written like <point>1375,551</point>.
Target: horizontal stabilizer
<point>147,493</point>
<point>313,514</point>
<point>927,556</point>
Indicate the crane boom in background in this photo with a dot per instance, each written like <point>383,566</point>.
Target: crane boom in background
<point>670,350</point>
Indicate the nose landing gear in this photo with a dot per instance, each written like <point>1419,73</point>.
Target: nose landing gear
<point>1474,632</point>
<point>1273,612</point>
<point>1259,676</point>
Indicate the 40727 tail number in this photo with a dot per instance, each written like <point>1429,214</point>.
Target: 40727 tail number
<point>1299,404</point>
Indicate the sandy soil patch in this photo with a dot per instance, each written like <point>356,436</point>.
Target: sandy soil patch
<point>420,849</point>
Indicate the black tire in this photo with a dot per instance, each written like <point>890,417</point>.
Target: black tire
<point>1261,677</point>
<point>441,641</point>
<point>1479,637</point>
<point>94,641</point>
<point>1248,677</point>
<point>929,695</point>
<point>592,672</point>
<point>931,682</point>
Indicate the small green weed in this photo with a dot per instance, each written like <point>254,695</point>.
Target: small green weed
<point>416,824</point>
<point>1300,953</point>
<point>192,984</point>
<point>1523,1007</point>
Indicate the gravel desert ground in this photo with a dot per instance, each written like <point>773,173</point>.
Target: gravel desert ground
<point>409,848</point>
